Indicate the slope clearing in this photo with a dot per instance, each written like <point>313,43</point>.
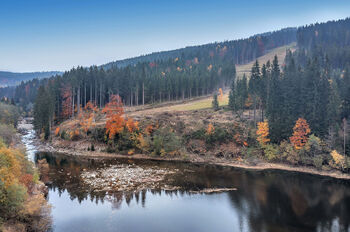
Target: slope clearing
<point>204,103</point>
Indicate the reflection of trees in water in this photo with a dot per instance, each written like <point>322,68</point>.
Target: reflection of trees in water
<point>267,200</point>
<point>289,201</point>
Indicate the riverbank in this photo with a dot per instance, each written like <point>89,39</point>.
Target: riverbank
<point>33,213</point>
<point>76,149</point>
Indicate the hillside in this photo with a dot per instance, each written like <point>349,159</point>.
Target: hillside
<point>239,51</point>
<point>12,78</point>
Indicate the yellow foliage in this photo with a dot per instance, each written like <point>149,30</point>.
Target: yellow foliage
<point>142,143</point>
<point>338,159</point>
<point>263,133</point>
<point>10,168</point>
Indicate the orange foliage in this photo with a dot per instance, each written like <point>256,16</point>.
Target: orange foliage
<point>87,116</point>
<point>27,180</point>
<point>210,129</point>
<point>132,125</point>
<point>221,95</point>
<point>74,134</point>
<point>149,130</point>
<point>57,131</point>
<point>263,133</point>
<point>114,113</point>
<point>301,131</point>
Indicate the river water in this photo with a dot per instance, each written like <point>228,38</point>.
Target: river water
<point>178,201</point>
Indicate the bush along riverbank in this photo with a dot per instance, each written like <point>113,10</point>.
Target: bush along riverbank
<point>203,136</point>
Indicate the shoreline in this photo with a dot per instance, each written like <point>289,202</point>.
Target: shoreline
<point>195,159</point>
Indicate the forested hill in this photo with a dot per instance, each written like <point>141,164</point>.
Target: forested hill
<point>331,40</point>
<point>12,78</point>
<point>236,51</point>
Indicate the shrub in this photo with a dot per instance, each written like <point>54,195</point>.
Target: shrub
<point>64,135</point>
<point>9,114</point>
<point>219,135</point>
<point>288,153</point>
<point>165,141</point>
<point>12,192</point>
<point>7,133</point>
<point>92,147</point>
<point>198,134</point>
<point>271,151</point>
<point>338,160</point>
<point>75,135</point>
<point>99,134</point>
<point>318,161</point>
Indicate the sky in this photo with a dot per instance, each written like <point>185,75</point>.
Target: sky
<point>57,35</point>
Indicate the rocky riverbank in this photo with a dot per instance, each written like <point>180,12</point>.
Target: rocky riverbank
<point>78,149</point>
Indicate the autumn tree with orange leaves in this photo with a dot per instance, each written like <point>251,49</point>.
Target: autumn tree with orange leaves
<point>300,136</point>
<point>114,113</point>
<point>87,116</point>
<point>263,133</point>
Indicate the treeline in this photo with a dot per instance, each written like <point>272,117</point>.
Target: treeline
<point>235,51</point>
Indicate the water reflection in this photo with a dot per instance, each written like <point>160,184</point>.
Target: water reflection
<point>264,200</point>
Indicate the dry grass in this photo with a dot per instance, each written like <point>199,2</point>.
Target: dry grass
<point>280,52</point>
<point>197,105</point>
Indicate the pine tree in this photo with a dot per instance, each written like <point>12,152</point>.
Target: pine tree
<point>275,103</point>
<point>215,103</point>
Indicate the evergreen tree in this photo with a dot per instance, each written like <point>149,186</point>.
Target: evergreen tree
<point>215,103</point>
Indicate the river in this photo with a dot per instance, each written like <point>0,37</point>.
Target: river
<point>162,196</point>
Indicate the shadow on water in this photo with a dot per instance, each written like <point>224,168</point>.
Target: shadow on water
<point>264,200</point>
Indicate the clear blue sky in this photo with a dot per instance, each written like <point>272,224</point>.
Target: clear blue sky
<point>38,35</point>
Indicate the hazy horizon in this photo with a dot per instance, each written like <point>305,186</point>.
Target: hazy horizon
<point>58,35</point>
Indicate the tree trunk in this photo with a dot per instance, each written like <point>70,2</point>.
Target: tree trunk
<point>254,111</point>
<point>100,96</point>
<point>78,101</point>
<point>84,94</point>
<point>143,93</point>
<point>90,93</point>
<point>73,103</point>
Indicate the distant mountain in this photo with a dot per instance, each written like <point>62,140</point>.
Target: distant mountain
<point>12,78</point>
